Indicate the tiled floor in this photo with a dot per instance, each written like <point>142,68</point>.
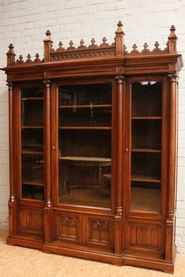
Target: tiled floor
<point>18,262</point>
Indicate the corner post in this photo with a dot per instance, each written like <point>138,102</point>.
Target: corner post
<point>119,40</point>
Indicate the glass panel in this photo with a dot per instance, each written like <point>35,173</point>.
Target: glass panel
<point>32,143</point>
<point>146,146</point>
<point>85,145</point>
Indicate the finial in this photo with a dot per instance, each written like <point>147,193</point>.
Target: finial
<point>120,24</point>
<point>172,40</point>
<point>10,46</point>
<point>134,48</point>
<point>47,46</point>
<point>93,42</point>
<point>104,41</point>
<point>145,48</point>
<point>82,44</point>
<point>48,33</point>
<point>10,55</point>
<point>119,40</point>
<point>172,34</point>
<point>156,49</point>
<point>48,36</point>
<point>119,30</point>
<point>172,28</point>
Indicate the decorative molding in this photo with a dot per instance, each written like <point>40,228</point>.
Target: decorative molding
<point>116,49</point>
<point>82,54</point>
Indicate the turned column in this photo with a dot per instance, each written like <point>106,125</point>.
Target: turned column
<point>119,147</point>
<point>47,164</point>
<point>12,199</point>
<point>171,170</point>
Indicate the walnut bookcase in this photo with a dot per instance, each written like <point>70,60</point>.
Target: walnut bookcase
<point>93,150</point>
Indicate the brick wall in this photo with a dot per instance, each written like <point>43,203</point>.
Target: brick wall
<point>24,23</point>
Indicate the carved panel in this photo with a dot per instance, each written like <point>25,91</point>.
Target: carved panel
<point>146,236</point>
<point>82,54</point>
<point>67,227</point>
<point>31,221</point>
<point>99,231</point>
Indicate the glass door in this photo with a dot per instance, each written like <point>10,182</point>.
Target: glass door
<point>146,146</point>
<point>32,102</point>
<point>85,120</point>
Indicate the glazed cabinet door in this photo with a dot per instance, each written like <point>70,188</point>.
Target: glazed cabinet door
<point>32,143</point>
<point>147,167</point>
<point>84,130</point>
<point>28,155</point>
<point>83,167</point>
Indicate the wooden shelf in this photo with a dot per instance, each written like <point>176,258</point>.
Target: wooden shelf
<point>85,128</point>
<point>39,183</point>
<point>146,117</point>
<point>32,152</point>
<point>32,98</point>
<point>143,150</point>
<point>85,106</point>
<point>144,178</point>
<point>32,127</point>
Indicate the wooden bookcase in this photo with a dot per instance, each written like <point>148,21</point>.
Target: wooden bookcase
<point>93,150</point>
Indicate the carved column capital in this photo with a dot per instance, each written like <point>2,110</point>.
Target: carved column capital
<point>47,83</point>
<point>120,79</point>
<point>173,77</point>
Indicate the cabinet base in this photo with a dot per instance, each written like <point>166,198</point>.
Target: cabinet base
<point>85,253</point>
<point>154,264</point>
<point>26,242</point>
<point>92,254</point>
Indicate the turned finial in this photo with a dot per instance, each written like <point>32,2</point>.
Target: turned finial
<point>10,55</point>
<point>119,40</point>
<point>48,35</point>
<point>47,46</point>
<point>172,40</point>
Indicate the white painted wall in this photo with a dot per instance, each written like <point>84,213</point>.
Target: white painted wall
<point>24,23</point>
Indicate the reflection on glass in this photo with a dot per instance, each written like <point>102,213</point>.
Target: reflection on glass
<point>146,146</point>
<point>85,145</point>
<point>32,143</point>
